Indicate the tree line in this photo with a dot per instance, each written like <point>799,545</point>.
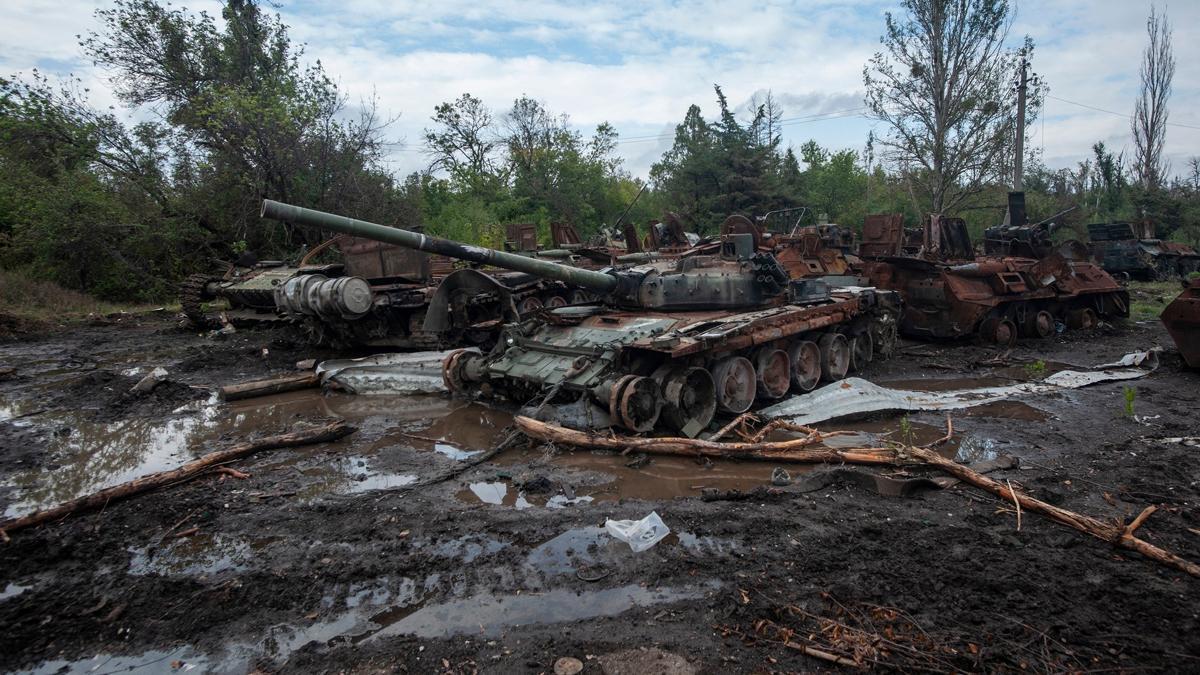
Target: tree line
<point>232,111</point>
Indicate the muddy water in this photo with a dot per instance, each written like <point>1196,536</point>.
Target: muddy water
<point>607,476</point>
<point>85,455</point>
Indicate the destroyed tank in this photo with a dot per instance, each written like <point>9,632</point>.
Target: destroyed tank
<point>376,296</point>
<point>1182,320</point>
<point>1133,250</point>
<point>670,342</point>
<point>1021,286</point>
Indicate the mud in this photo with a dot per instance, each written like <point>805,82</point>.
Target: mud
<point>352,557</point>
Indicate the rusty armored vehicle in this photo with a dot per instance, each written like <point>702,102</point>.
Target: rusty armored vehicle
<point>1182,320</point>
<point>376,296</point>
<point>1133,250</point>
<point>669,343</point>
<point>1021,286</point>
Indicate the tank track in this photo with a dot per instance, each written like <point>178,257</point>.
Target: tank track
<point>192,298</point>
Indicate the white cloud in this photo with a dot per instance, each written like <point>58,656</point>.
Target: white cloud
<point>639,66</point>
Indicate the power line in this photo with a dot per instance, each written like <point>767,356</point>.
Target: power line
<point>1113,112</point>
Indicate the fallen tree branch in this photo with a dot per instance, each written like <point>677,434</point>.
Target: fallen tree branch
<point>276,385</point>
<point>329,432</point>
<point>796,450</point>
<point>1113,532</point>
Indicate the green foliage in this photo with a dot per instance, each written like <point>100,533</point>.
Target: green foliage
<point>1036,369</point>
<point>906,430</point>
<point>1130,395</point>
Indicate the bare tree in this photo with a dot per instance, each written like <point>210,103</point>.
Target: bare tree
<point>1150,111</point>
<point>942,86</point>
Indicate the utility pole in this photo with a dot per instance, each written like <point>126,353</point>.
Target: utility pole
<point>1022,86</point>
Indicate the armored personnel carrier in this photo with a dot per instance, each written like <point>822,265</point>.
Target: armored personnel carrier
<point>1021,286</point>
<point>670,342</point>
<point>1132,249</point>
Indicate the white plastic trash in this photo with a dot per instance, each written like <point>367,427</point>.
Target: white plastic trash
<point>639,534</point>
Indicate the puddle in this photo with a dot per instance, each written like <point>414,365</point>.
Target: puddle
<point>668,477</point>
<point>490,615</point>
<point>147,662</point>
<point>453,452</point>
<point>199,554</point>
<point>974,449</point>
<point>84,456</point>
<point>12,591</point>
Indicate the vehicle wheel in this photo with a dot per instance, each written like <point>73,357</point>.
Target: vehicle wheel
<point>735,383</point>
<point>772,370</point>
<point>689,400</point>
<point>640,404</point>
<point>1039,324</point>
<point>1004,333</point>
<point>835,356</point>
<point>805,357</point>
<point>1082,318</point>
<point>528,306</point>
<point>862,351</point>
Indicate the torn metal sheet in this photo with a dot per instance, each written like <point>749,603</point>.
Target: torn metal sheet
<point>855,396</point>
<point>415,373</point>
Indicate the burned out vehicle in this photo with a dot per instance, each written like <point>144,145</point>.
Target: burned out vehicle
<point>669,344</point>
<point>377,296</point>
<point>1131,249</point>
<point>1021,286</point>
<point>1182,320</point>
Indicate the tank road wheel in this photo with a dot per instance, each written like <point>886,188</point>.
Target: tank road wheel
<point>581,297</point>
<point>1004,333</point>
<point>1082,318</point>
<point>640,405</point>
<point>862,351</point>
<point>734,377</point>
<point>835,356</point>
<point>772,373</point>
<point>528,305</point>
<point>805,357</point>
<point>689,400</point>
<point>1039,324</point>
<point>555,301</point>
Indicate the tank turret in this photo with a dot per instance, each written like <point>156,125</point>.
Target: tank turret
<point>740,277</point>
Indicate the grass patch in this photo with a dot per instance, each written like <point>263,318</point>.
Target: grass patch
<point>1148,298</point>
<point>31,304</point>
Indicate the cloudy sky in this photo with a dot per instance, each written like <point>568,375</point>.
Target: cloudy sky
<point>638,65</point>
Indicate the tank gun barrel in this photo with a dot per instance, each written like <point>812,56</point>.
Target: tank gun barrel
<point>593,281</point>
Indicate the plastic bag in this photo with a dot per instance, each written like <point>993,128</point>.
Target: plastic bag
<point>639,534</point>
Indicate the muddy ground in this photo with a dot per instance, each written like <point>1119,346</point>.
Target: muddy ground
<point>346,557</point>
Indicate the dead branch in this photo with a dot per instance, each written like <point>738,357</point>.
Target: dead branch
<point>794,450</point>
<point>1112,532</point>
<point>329,432</point>
<point>277,385</point>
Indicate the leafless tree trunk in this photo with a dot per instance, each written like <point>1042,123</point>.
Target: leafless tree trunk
<point>942,87</point>
<point>1150,111</point>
